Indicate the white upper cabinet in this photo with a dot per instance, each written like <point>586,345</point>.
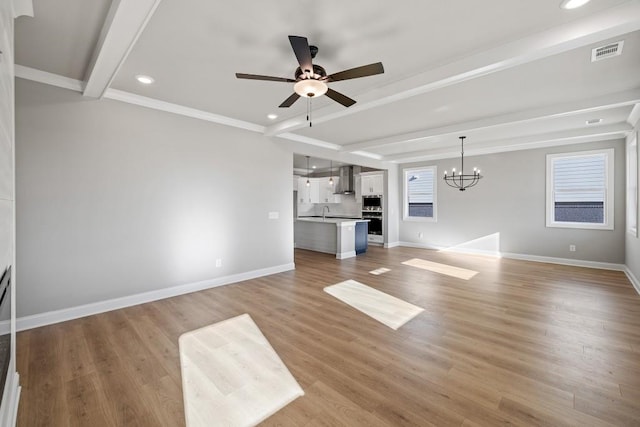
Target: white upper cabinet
<point>308,193</point>
<point>327,190</point>
<point>372,183</point>
<point>318,191</point>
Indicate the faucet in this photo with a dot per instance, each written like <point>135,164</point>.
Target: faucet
<point>328,211</point>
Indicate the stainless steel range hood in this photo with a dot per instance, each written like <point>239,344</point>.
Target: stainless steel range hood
<point>346,183</point>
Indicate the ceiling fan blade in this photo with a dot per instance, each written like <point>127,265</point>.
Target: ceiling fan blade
<point>340,98</point>
<point>289,101</point>
<point>267,78</point>
<point>354,73</point>
<point>301,48</point>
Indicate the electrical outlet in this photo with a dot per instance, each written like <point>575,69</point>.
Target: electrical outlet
<point>219,262</point>
<point>420,235</point>
<point>572,248</point>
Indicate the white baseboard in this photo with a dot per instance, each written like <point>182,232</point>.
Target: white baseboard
<point>524,257</point>
<point>391,245</point>
<point>633,279</point>
<point>420,246</point>
<point>566,261</point>
<point>48,318</point>
<point>344,255</point>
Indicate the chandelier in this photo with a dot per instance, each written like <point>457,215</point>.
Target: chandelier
<point>462,181</point>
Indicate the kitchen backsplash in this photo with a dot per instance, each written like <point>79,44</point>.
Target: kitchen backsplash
<point>347,207</point>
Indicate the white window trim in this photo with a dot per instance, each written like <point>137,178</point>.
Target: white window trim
<point>632,150</point>
<point>609,192</point>
<point>405,204</point>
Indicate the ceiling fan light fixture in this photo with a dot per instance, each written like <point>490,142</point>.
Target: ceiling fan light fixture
<point>573,4</point>
<point>310,88</point>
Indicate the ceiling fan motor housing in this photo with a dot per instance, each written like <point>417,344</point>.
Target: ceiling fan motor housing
<point>318,73</point>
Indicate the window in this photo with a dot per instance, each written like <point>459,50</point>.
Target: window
<point>580,190</point>
<point>420,194</point>
<point>632,185</point>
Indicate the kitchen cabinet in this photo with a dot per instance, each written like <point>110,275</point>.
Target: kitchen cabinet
<point>327,190</point>
<point>318,191</point>
<point>372,183</point>
<point>310,193</point>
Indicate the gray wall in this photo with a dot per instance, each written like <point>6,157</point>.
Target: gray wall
<point>632,243</point>
<point>506,210</point>
<point>115,199</point>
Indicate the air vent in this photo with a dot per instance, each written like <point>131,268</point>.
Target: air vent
<point>608,51</point>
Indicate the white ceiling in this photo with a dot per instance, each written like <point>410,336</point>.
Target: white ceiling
<point>508,74</point>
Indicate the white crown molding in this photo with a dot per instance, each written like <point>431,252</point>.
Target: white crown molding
<point>578,33</point>
<point>615,100</point>
<point>124,23</point>
<point>310,141</point>
<point>634,116</point>
<point>131,98</point>
<point>51,79</point>
<point>22,8</point>
<point>169,107</point>
<point>143,101</point>
<point>51,317</point>
<point>553,139</point>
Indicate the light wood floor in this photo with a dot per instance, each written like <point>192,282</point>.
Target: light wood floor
<point>520,343</point>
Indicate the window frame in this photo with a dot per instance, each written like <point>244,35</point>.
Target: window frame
<point>608,198</point>
<point>632,184</point>
<point>405,194</point>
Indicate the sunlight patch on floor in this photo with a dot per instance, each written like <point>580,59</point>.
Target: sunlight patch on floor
<point>485,245</point>
<point>379,271</point>
<point>386,309</point>
<point>232,376</point>
<point>449,270</point>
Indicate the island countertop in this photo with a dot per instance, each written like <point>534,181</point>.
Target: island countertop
<point>331,220</point>
<point>331,235</point>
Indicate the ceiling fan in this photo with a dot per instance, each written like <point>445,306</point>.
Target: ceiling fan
<point>311,79</point>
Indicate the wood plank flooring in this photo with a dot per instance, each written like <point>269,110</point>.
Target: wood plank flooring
<point>520,343</point>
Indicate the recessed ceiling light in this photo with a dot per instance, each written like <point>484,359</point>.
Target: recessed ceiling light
<point>145,80</point>
<point>573,4</point>
<point>272,116</point>
<point>594,121</point>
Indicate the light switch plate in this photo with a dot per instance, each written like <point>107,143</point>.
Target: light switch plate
<point>274,215</point>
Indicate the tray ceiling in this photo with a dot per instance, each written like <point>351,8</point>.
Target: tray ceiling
<point>501,71</point>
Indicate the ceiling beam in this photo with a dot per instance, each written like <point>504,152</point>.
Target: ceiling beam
<point>610,23</point>
<point>124,23</point>
<point>22,8</point>
<point>51,79</point>
<point>573,136</point>
<point>605,102</point>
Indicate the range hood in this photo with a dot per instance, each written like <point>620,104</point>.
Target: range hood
<point>346,183</point>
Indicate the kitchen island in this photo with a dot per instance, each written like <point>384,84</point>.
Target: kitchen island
<point>344,237</point>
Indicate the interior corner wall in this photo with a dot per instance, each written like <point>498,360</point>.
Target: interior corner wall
<point>505,212</point>
<point>393,214</point>
<point>632,243</point>
<point>115,199</point>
